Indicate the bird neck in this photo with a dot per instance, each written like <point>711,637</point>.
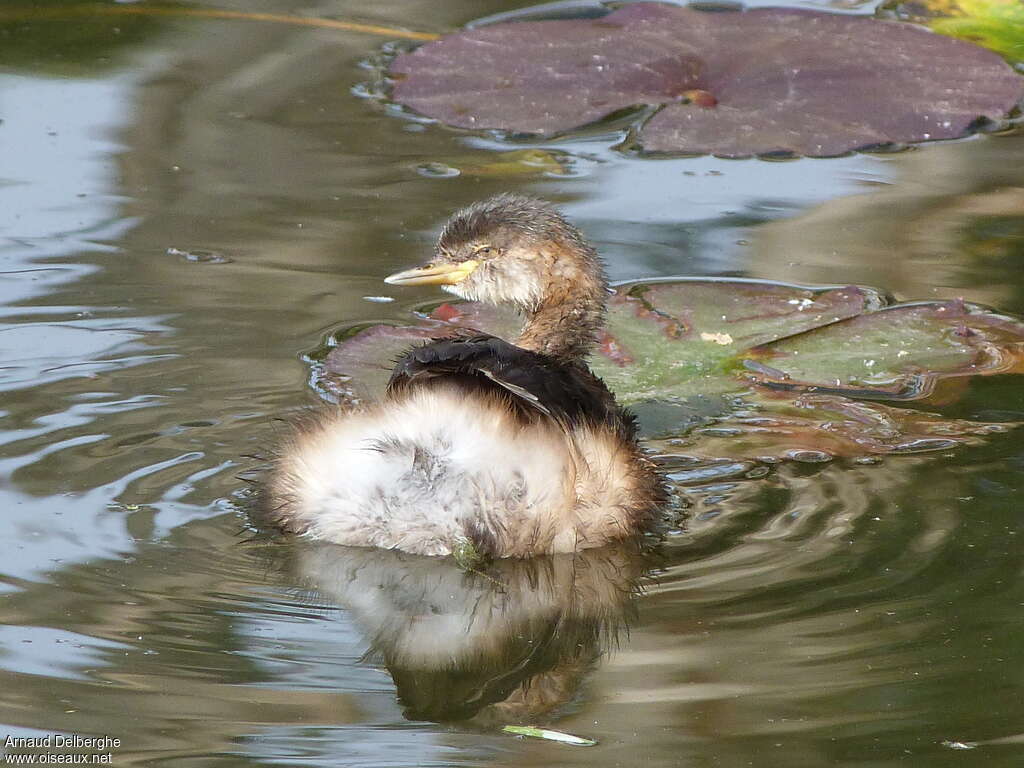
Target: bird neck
<point>564,324</point>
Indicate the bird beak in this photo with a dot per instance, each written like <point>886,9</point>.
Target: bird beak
<point>448,273</point>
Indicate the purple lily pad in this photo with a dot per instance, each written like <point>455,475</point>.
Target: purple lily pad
<point>731,83</point>
<point>359,366</point>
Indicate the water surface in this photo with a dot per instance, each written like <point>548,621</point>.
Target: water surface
<point>187,212</point>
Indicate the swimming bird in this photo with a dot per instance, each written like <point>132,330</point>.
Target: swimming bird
<point>513,448</point>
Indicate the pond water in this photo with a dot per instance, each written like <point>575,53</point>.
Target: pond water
<point>190,206</point>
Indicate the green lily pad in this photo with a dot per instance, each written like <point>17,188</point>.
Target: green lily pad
<point>776,370</point>
<point>899,352</point>
<point>688,333</point>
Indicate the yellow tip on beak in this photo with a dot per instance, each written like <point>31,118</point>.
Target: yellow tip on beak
<point>434,274</point>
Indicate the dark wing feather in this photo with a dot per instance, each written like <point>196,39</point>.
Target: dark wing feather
<point>566,392</point>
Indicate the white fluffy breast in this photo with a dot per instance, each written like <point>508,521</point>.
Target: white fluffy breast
<point>422,471</point>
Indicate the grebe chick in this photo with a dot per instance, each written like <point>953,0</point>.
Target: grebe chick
<point>517,449</point>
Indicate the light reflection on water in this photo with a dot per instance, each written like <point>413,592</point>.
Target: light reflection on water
<point>693,215</point>
<point>837,614</point>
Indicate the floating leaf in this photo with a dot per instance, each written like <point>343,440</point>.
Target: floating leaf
<point>676,329</point>
<point>730,83</point>
<point>756,311</point>
<point>369,354</point>
<point>521,162</point>
<point>900,352</point>
<point>812,428</point>
<point>769,369</point>
<point>360,365</point>
<point>663,325</point>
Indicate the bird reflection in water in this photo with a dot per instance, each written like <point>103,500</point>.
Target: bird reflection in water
<point>506,644</point>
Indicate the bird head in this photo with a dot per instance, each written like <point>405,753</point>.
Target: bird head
<point>508,249</point>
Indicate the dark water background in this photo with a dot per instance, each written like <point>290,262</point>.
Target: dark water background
<point>190,206</point>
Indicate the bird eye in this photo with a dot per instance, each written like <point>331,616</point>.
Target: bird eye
<point>483,250</point>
